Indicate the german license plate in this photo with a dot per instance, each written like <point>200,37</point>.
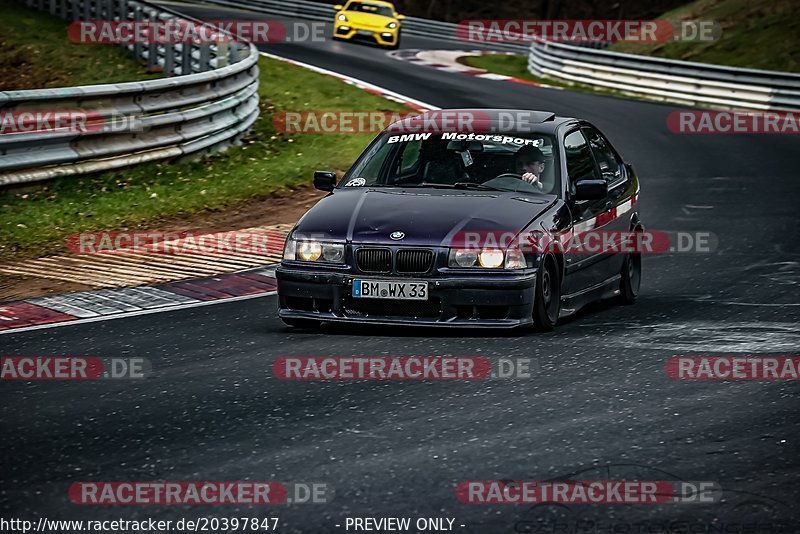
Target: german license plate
<point>385,289</point>
<point>364,32</point>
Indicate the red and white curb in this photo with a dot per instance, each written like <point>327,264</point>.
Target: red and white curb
<point>447,61</point>
<point>99,305</point>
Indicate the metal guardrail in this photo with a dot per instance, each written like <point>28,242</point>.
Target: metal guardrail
<point>209,105</point>
<point>664,79</point>
<point>304,9</point>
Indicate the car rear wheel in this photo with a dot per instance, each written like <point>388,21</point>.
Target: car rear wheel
<point>547,304</point>
<point>631,279</point>
<point>301,323</point>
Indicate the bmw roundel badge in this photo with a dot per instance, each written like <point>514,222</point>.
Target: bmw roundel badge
<point>397,236</point>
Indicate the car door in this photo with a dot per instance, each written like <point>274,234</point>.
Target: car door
<point>612,171</point>
<point>584,268</point>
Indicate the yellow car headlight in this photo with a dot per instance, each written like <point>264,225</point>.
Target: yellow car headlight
<point>309,250</point>
<point>491,258</point>
<point>342,17</point>
<point>392,25</point>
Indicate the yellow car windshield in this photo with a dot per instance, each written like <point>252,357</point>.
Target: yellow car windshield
<point>365,7</point>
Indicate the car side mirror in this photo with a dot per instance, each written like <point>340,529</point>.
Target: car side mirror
<point>338,7</point>
<point>398,16</point>
<point>590,189</point>
<point>324,180</point>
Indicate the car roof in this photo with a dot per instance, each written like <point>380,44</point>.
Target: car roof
<point>496,120</point>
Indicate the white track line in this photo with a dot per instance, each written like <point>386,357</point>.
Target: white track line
<point>197,304</point>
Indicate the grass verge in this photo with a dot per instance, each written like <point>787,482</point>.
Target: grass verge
<point>759,35</point>
<point>37,221</point>
<point>35,53</point>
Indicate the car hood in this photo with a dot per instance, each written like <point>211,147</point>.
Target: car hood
<point>427,217</point>
<point>369,20</point>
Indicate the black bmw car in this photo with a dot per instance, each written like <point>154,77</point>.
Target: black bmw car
<point>426,227</point>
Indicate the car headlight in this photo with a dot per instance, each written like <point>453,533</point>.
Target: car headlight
<point>341,17</point>
<point>333,252</point>
<point>392,25</point>
<point>489,258</point>
<point>463,258</point>
<point>309,250</point>
<point>313,251</point>
<point>290,249</point>
<point>515,259</point>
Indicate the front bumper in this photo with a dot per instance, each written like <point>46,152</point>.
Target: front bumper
<point>381,36</point>
<point>502,301</point>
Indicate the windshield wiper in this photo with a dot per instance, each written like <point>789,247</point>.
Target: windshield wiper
<point>457,185</point>
<point>473,185</point>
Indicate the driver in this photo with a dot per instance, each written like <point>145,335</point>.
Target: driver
<point>529,161</point>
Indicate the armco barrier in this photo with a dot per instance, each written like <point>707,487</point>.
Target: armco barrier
<point>675,81</point>
<point>669,80</point>
<point>209,105</point>
<point>304,9</point>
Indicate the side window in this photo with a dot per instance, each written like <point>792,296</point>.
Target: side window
<point>369,166</point>
<point>606,159</point>
<point>580,164</point>
<point>410,156</point>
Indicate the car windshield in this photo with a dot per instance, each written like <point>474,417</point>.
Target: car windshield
<point>505,162</point>
<point>366,7</point>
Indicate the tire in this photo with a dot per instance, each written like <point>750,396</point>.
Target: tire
<point>631,279</point>
<point>547,303</point>
<point>301,323</point>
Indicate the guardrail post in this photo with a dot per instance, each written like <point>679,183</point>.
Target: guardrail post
<point>205,57</point>
<point>169,58</point>
<point>138,49</point>
<point>233,53</point>
<point>186,58</point>
<point>222,53</point>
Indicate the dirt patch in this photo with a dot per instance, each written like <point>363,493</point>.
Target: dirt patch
<point>25,287</point>
<point>284,207</point>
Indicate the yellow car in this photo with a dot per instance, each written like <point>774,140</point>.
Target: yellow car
<point>372,20</point>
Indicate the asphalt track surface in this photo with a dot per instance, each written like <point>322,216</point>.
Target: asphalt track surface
<point>599,400</point>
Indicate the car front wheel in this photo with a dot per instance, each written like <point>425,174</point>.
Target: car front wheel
<point>547,304</point>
